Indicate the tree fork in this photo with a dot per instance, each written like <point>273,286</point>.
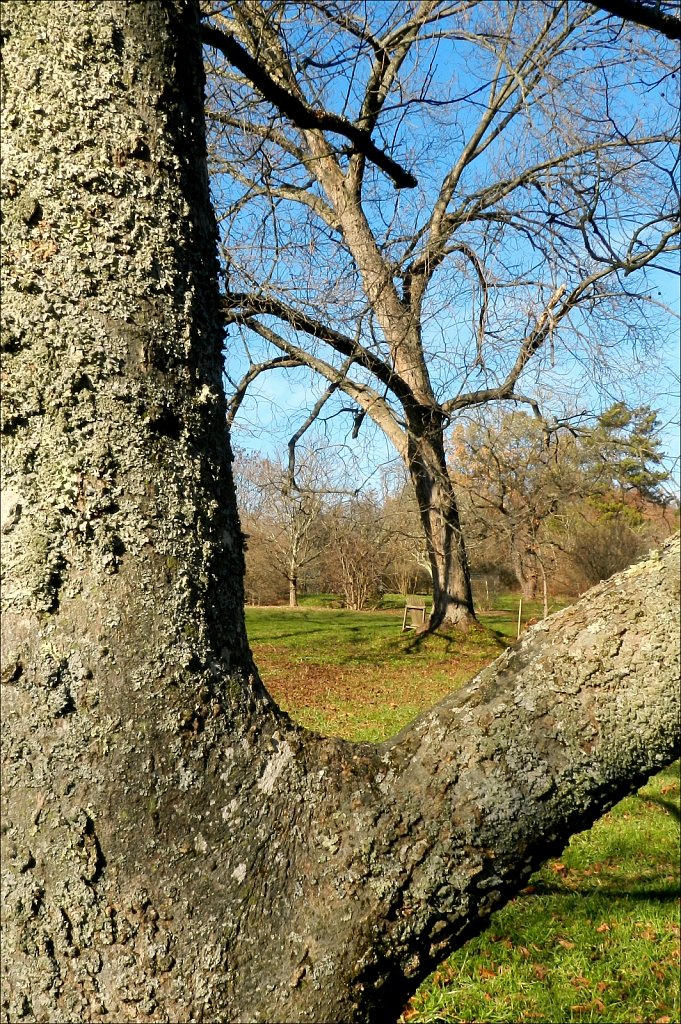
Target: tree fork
<point>174,847</point>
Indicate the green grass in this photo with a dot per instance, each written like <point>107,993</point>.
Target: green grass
<point>320,633</point>
<point>356,674</point>
<point>595,937</point>
<point>502,616</point>
<point>320,601</point>
<point>397,601</point>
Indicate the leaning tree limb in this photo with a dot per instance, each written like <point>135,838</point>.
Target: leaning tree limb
<point>648,14</point>
<point>300,113</point>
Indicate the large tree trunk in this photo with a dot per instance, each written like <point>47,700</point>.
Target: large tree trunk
<point>439,513</point>
<point>174,847</point>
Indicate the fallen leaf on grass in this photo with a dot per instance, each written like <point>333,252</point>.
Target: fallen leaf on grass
<point>603,927</point>
<point>579,981</point>
<point>443,976</point>
<point>485,972</point>
<point>559,868</point>
<point>663,1020</point>
<point>540,972</point>
<point>565,943</point>
<point>595,1004</point>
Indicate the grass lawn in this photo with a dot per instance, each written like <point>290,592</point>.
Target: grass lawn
<point>355,674</point>
<point>595,937</point>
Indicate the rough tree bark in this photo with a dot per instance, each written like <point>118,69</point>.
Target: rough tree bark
<point>174,848</point>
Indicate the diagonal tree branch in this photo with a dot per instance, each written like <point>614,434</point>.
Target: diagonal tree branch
<point>531,344</point>
<point>555,311</point>
<point>240,307</point>
<point>648,14</point>
<point>374,404</point>
<point>383,74</point>
<point>300,113</point>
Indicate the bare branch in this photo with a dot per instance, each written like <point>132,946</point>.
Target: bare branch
<point>383,74</point>
<point>300,113</point>
<point>531,344</point>
<point>240,308</point>
<point>648,14</point>
<point>533,59</point>
<point>374,404</point>
<point>309,420</point>
<point>278,363</point>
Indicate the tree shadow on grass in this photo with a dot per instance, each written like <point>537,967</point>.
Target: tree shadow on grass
<point>667,805</point>
<point>658,894</point>
<point>446,642</point>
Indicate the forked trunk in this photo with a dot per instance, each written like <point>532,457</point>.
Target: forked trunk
<point>438,509</point>
<point>174,848</point>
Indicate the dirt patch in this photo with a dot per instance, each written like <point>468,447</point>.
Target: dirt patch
<point>303,685</point>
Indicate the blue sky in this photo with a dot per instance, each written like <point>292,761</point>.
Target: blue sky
<point>280,401</point>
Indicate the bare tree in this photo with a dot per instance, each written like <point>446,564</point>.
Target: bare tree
<point>360,553</point>
<point>545,192</point>
<point>512,477</point>
<point>599,547</point>
<point>530,493</point>
<point>282,519</point>
<point>409,569</point>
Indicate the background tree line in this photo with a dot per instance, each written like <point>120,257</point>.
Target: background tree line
<point>544,513</point>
